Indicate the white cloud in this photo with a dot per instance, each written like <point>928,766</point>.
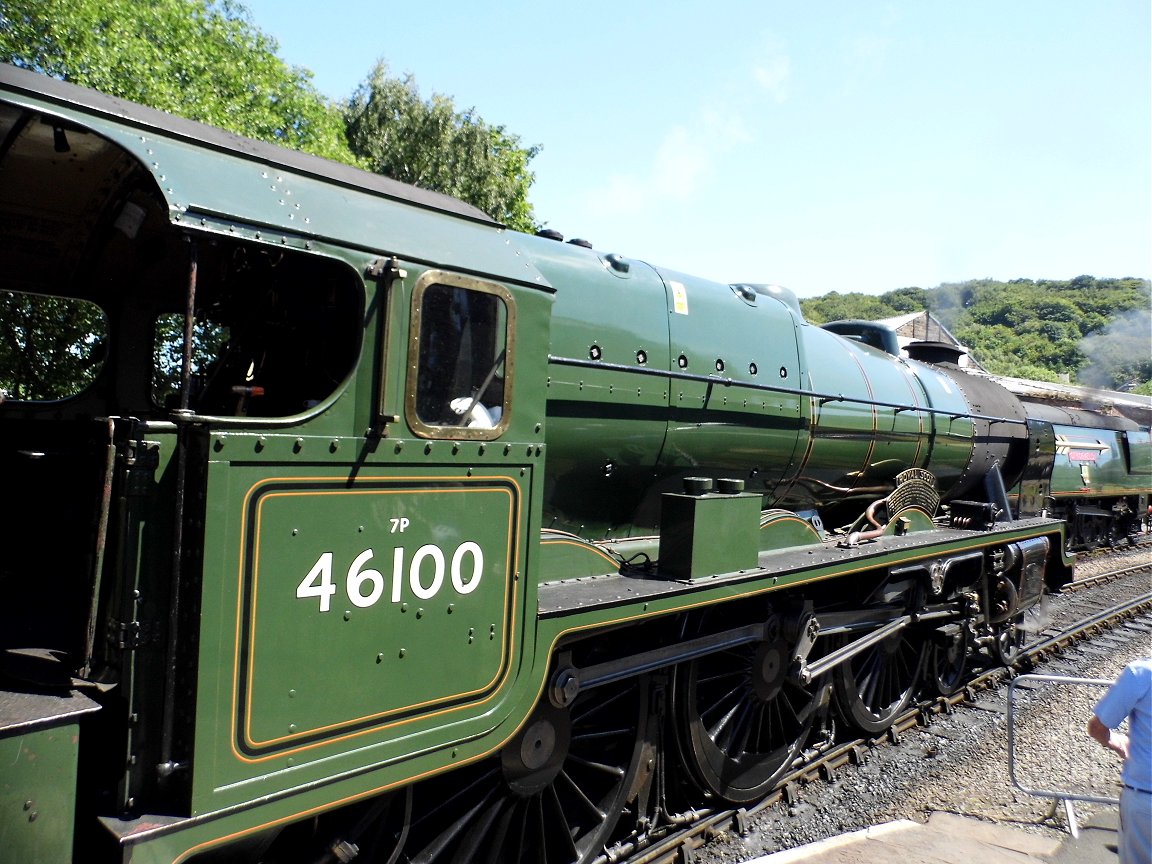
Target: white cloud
<point>728,127</point>
<point>682,160</point>
<point>679,161</point>
<point>774,74</point>
<point>682,157</point>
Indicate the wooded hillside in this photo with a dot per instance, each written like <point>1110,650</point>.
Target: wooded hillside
<point>1097,332</point>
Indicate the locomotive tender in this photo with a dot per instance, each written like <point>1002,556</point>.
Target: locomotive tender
<point>346,524</point>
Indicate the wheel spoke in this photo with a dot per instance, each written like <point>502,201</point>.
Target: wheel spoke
<point>553,796</point>
<point>457,828</point>
<point>739,722</point>
<point>949,660</point>
<point>561,831</point>
<point>718,729</point>
<point>876,685</point>
<point>596,766</point>
<point>576,793</point>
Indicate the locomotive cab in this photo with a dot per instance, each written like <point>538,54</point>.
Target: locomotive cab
<point>104,424</point>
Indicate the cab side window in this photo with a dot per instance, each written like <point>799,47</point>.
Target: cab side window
<point>276,332</point>
<point>51,348</point>
<point>459,364</point>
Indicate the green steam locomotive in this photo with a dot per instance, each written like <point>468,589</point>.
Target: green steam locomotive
<point>345,524</point>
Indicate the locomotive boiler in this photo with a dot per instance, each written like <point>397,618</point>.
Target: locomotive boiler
<point>346,524</point>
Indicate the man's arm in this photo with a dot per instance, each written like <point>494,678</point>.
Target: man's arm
<point>1115,741</point>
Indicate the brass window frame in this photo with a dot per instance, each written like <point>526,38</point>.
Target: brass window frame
<point>429,279</point>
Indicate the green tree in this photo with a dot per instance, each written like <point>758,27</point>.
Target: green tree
<point>909,299</point>
<point>835,306</point>
<point>50,347</point>
<point>200,59</point>
<point>1088,330</point>
<point>429,143</point>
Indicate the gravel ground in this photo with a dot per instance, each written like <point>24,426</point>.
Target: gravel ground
<point>959,762</point>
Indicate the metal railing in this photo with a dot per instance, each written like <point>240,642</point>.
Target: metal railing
<point>1080,719</point>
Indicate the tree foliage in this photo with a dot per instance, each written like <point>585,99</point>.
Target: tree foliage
<point>200,59</point>
<point>431,144</point>
<point>206,60</point>
<point>1095,332</point>
<point>50,347</point>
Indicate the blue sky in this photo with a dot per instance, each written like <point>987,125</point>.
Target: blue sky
<point>848,146</point>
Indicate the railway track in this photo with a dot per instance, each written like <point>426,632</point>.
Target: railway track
<point>1086,608</point>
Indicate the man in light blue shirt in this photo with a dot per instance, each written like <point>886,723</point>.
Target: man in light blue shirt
<point>1130,698</point>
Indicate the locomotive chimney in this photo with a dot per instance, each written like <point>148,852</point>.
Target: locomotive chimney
<point>935,352</point>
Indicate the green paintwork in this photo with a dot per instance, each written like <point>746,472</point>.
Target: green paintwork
<point>909,521</point>
<point>391,645</point>
<point>783,529</point>
<point>702,535</point>
<point>1101,461</point>
<point>857,449</point>
<point>694,377</point>
<point>566,556</point>
<point>38,794</point>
